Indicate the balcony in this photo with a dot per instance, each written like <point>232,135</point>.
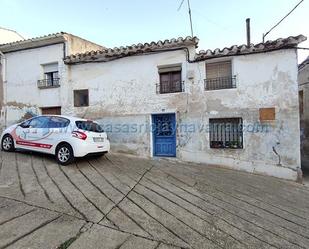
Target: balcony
<point>220,83</point>
<point>49,83</point>
<point>170,87</point>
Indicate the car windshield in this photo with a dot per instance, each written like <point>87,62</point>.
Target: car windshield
<point>89,126</point>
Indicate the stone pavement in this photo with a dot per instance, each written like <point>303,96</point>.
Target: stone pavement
<point>125,202</point>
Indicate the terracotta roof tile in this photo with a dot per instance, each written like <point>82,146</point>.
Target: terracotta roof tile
<point>34,39</point>
<point>119,52</point>
<point>268,46</point>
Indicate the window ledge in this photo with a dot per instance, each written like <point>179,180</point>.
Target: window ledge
<point>46,87</point>
<point>170,93</point>
<point>235,88</point>
<point>226,148</point>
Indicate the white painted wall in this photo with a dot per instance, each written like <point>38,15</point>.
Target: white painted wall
<point>123,92</point>
<point>23,70</point>
<point>126,88</point>
<point>25,67</point>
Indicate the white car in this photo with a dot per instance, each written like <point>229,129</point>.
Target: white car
<point>64,137</point>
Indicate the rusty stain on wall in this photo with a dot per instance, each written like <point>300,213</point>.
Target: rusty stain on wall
<point>267,114</point>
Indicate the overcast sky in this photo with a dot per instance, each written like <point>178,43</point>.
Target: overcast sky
<point>217,23</point>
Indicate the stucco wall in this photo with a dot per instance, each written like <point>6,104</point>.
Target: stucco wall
<point>303,79</point>
<point>80,45</point>
<point>23,70</point>
<point>127,88</point>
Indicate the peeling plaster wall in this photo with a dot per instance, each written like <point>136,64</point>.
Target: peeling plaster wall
<point>303,79</point>
<point>124,91</point>
<point>24,69</point>
<point>122,96</point>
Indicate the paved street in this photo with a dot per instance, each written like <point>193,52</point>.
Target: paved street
<point>124,202</point>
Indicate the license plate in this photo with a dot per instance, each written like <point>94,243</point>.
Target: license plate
<point>98,139</point>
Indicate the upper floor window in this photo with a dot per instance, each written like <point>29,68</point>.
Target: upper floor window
<point>170,79</point>
<point>81,98</point>
<point>51,76</point>
<point>219,76</point>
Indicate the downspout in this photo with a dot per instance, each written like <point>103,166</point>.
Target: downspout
<point>4,88</point>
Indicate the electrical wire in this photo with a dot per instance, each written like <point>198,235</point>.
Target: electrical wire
<point>264,35</point>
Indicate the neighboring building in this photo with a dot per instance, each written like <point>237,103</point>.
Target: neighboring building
<point>8,35</point>
<point>164,99</point>
<point>34,75</point>
<point>303,81</point>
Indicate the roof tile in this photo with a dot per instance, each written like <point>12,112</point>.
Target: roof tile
<point>268,46</point>
<point>119,52</point>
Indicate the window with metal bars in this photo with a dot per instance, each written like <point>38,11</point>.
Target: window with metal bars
<point>170,82</point>
<point>226,133</point>
<point>219,76</point>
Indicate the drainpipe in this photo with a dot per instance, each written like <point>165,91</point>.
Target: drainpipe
<point>4,88</point>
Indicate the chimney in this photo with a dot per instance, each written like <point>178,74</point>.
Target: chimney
<point>248,31</point>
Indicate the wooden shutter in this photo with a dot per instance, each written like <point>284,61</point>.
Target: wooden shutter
<point>218,70</point>
<point>164,82</point>
<point>176,82</point>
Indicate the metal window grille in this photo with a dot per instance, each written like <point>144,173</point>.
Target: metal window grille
<point>47,83</point>
<point>226,133</point>
<point>220,83</point>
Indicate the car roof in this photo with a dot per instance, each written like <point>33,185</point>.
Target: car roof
<point>64,116</point>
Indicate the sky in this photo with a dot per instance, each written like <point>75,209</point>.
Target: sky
<point>112,23</point>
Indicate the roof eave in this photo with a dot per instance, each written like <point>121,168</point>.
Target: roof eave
<point>269,46</point>
<point>33,43</point>
<point>133,50</point>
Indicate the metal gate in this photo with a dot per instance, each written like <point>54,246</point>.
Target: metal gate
<point>164,135</point>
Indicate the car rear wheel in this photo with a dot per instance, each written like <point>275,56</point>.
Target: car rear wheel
<point>7,143</point>
<point>64,154</point>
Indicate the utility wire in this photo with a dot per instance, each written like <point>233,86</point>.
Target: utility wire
<point>190,17</point>
<point>180,5</point>
<point>264,35</point>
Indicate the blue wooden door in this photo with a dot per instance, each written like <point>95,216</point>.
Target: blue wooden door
<point>164,135</point>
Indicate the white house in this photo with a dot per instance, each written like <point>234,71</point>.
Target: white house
<point>236,107</point>
<point>29,66</point>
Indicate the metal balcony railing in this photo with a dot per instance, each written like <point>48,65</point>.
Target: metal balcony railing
<point>49,83</point>
<point>220,83</point>
<point>170,87</point>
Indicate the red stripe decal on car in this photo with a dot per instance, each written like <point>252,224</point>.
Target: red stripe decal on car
<point>38,145</point>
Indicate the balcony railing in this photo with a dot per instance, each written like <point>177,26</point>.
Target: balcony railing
<point>220,83</point>
<point>49,83</point>
<point>171,87</point>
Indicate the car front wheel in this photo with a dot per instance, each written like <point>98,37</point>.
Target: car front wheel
<point>7,143</point>
<point>64,154</point>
